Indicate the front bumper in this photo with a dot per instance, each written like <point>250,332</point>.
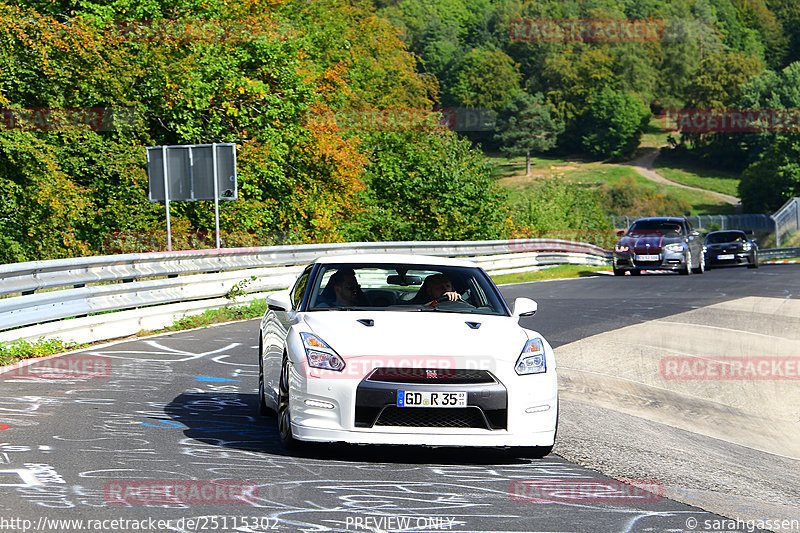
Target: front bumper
<point>738,258</point>
<point>508,411</point>
<point>666,260</point>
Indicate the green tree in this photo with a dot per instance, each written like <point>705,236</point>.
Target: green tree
<point>614,123</point>
<point>425,186</point>
<point>769,182</point>
<point>487,79</point>
<point>525,126</point>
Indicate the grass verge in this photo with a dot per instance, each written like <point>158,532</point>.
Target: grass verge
<point>557,272</point>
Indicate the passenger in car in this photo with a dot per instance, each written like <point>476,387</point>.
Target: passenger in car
<point>436,288</point>
<point>343,290</point>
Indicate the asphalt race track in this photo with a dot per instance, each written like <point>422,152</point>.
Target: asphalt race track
<point>179,410</point>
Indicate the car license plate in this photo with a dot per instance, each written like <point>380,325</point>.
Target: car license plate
<point>722,257</point>
<point>431,399</point>
<point>648,257</point>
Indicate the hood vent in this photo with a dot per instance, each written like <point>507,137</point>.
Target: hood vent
<point>366,321</point>
<point>474,325</point>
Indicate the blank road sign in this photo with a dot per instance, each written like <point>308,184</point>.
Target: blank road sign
<point>190,169</point>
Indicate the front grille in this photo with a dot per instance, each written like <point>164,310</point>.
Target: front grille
<point>643,250</point>
<point>438,417</point>
<point>452,376</point>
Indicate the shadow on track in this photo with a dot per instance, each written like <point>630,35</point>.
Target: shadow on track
<point>231,420</point>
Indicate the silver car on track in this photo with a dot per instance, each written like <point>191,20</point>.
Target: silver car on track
<point>659,243</point>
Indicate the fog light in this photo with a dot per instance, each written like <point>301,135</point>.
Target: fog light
<point>320,404</point>
<point>537,409</point>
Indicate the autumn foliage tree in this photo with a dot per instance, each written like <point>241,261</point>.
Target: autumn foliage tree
<point>284,81</point>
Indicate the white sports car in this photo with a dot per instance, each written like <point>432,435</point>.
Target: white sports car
<point>402,349</point>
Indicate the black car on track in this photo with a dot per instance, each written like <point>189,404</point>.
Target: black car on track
<point>730,247</point>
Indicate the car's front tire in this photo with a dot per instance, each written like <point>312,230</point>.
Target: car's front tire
<point>284,415</point>
<point>687,268</point>
<point>263,410</point>
<point>619,271</point>
<point>753,261</point>
<point>701,264</point>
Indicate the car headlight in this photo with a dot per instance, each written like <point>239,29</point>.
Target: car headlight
<point>319,354</point>
<point>531,360</point>
<point>622,248</point>
<point>676,247</point>
<point>747,246</point>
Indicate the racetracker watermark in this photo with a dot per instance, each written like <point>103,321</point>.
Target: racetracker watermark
<point>191,30</point>
<point>586,490</point>
<point>730,120</point>
<point>408,119</point>
<point>152,491</point>
<point>73,366</point>
<point>586,30</point>
<point>56,119</point>
<point>730,368</point>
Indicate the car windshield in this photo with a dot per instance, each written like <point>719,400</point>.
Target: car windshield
<point>649,227</point>
<point>726,236</point>
<point>404,287</point>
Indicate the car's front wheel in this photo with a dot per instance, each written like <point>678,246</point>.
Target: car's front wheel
<point>687,268</point>
<point>284,415</point>
<point>753,261</point>
<point>701,264</point>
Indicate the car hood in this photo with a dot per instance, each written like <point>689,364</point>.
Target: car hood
<point>643,240</point>
<point>398,335</point>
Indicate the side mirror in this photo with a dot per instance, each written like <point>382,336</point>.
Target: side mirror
<point>524,307</point>
<point>620,232</point>
<point>279,301</point>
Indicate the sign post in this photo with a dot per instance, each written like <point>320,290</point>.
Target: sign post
<point>166,196</point>
<point>192,173</point>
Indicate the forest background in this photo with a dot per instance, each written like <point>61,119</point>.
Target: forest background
<point>340,110</point>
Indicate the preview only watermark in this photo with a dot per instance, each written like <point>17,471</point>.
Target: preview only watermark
<point>585,490</point>
<point>586,30</point>
<point>730,368</point>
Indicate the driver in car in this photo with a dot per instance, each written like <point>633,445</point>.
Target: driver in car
<point>436,288</point>
<point>342,290</point>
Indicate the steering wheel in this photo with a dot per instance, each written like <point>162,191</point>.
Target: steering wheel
<point>451,304</point>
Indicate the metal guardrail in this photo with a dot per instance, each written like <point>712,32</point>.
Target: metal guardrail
<point>778,253</point>
<point>161,286</point>
<point>155,279</point>
<point>77,272</point>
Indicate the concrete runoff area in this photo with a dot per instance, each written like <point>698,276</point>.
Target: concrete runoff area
<point>727,443</point>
